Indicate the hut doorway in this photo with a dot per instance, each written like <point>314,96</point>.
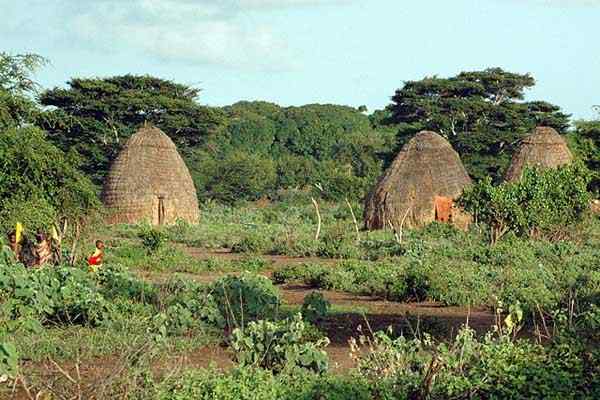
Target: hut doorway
<point>443,209</point>
<point>161,210</point>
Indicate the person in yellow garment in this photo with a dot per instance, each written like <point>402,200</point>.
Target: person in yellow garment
<point>95,260</point>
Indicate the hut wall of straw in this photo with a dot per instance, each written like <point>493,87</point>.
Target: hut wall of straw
<point>150,181</point>
<point>426,167</point>
<point>545,148</point>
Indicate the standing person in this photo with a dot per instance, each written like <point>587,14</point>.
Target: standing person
<point>95,260</point>
<point>42,249</point>
<point>55,245</point>
<point>14,245</point>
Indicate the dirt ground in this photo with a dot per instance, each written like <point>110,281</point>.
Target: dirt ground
<point>351,316</point>
<point>358,315</point>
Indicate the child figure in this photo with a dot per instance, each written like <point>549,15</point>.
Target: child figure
<point>95,260</point>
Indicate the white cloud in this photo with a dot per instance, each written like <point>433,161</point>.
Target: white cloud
<point>202,31</point>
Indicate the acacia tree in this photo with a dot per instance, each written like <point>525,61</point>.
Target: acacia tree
<point>38,182</point>
<point>482,113</point>
<point>96,116</point>
<point>17,88</point>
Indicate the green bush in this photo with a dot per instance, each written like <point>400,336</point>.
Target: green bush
<point>255,243</point>
<point>244,298</point>
<point>539,202</point>
<point>153,239</point>
<point>241,176</point>
<point>58,295</point>
<point>39,183</point>
<point>315,307</point>
<point>277,346</point>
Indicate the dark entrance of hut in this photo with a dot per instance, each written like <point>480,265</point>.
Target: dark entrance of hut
<point>161,210</point>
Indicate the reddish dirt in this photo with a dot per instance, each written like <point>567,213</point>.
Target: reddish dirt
<point>275,260</point>
<point>352,316</point>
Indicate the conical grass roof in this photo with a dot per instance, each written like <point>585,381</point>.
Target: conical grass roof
<point>150,181</point>
<point>405,195</point>
<point>545,148</point>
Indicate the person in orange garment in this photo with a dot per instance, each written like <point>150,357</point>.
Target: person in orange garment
<point>95,260</point>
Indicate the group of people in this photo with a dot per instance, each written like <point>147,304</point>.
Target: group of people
<point>45,249</point>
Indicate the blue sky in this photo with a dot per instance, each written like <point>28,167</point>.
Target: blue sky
<point>296,52</point>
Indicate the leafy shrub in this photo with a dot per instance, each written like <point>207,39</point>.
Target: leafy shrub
<point>198,300</point>
<point>538,202</point>
<point>59,295</point>
<point>336,243</point>
<point>9,360</point>
<point>315,307</point>
<point>39,182</point>
<point>492,367</point>
<point>278,345</point>
<point>252,243</point>
<point>246,297</point>
<point>239,175</point>
<point>153,239</point>
<point>116,282</point>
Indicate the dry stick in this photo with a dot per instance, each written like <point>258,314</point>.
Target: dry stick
<point>395,232</point>
<point>543,321</point>
<point>74,248</point>
<point>354,220</point>
<point>318,233</point>
<point>402,224</point>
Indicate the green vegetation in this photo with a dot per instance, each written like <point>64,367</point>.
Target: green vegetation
<point>539,202</point>
<point>482,113</point>
<point>279,346</point>
<point>529,262</point>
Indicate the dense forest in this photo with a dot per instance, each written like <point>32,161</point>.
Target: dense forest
<point>66,137</point>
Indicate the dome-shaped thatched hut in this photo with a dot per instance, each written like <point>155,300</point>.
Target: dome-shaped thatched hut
<point>419,187</point>
<point>545,148</point>
<point>149,181</point>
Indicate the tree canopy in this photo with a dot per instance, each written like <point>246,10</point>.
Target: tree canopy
<point>96,116</point>
<point>38,182</point>
<point>482,113</point>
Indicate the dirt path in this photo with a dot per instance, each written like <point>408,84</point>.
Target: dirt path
<point>274,260</point>
<point>351,316</point>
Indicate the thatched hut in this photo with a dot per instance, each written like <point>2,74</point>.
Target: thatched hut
<point>419,187</point>
<point>545,148</point>
<point>149,181</point>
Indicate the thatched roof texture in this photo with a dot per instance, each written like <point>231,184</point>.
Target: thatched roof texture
<point>149,181</point>
<point>425,176</point>
<point>545,148</point>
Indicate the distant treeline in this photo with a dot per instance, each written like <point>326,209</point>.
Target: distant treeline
<point>251,150</point>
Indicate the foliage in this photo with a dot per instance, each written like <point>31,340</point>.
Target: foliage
<point>153,239</point>
<point>315,307</point>
<point>538,202</point>
<point>9,361</point>
<point>245,298</point>
<point>95,116</point>
<point>238,175</point>
<point>57,295</point>
<point>278,346</point>
<point>491,368</point>
<point>39,182</point>
<point>585,141</point>
<point>16,87</point>
<point>481,113</point>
